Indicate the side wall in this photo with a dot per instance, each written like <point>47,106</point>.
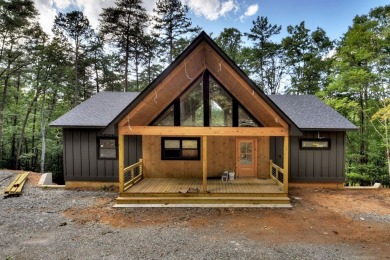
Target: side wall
<point>221,156</point>
<point>81,162</point>
<point>313,165</point>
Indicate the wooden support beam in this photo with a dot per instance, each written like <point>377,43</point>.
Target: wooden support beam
<point>203,131</point>
<point>121,151</point>
<point>286,158</point>
<point>204,163</point>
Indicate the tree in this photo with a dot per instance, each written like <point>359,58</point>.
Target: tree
<point>268,56</point>
<point>230,41</point>
<point>76,26</point>
<point>172,25</point>
<point>360,80</point>
<point>306,58</point>
<point>17,17</point>
<point>124,25</point>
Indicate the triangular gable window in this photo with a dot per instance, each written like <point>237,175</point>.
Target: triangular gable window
<point>167,118</point>
<point>205,103</point>
<point>191,106</point>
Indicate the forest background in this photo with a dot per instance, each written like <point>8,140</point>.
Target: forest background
<point>42,77</point>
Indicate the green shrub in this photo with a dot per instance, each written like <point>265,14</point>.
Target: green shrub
<point>355,178</point>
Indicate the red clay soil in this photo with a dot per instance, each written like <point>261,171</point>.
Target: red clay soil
<point>322,216</point>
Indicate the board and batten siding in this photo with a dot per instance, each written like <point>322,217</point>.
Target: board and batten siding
<point>312,165</point>
<point>81,161</point>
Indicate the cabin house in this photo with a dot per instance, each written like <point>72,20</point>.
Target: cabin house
<point>201,118</point>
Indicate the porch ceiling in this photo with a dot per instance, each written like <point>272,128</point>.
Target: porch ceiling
<point>201,58</point>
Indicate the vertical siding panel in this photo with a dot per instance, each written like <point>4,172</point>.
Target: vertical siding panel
<point>77,162</point>
<point>302,164</point>
<point>92,154</point>
<point>294,157</point>
<point>317,161</point>
<point>340,157</point>
<point>279,151</point>
<point>84,149</point>
<point>68,153</point>
<point>325,159</point>
<point>333,155</point>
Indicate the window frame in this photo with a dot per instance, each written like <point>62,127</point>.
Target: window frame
<point>164,157</point>
<point>98,148</point>
<point>301,140</point>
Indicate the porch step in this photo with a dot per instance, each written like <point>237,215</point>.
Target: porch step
<point>203,200</point>
<point>165,194</point>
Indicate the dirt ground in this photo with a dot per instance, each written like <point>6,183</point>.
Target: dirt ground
<point>324,217</point>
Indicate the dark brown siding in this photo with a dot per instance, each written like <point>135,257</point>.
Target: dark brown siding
<point>312,165</point>
<point>80,156</point>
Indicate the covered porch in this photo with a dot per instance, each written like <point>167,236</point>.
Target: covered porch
<point>143,185</point>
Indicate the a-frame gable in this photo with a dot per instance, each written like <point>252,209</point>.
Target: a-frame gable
<point>202,54</point>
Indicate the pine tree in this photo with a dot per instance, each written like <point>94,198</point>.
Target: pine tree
<point>172,25</point>
<point>124,26</point>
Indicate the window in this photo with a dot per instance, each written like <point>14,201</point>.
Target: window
<point>191,106</point>
<point>205,103</point>
<point>244,119</point>
<point>173,148</point>
<point>221,105</point>
<point>314,144</point>
<point>107,148</point>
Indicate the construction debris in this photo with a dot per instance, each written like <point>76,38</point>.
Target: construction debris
<point>16,186</point>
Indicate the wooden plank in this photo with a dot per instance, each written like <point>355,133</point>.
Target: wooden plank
<point>202,131</point>
<point>121,161</point>
<point>16,186</point>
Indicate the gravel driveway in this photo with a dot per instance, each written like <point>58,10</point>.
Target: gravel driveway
<point>34,226</point>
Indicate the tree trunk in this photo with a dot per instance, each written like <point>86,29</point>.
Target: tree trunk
<point>21,137</point>
<point>2,109</point>
<point>43,133</point>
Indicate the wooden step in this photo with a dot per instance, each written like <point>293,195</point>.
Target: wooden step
<point>200,194</point>
<point>203,200</point>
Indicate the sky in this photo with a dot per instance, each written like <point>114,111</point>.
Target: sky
<point>334,16</point>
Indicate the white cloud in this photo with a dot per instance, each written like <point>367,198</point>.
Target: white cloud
<point>211,9</point>
<point>251,10</point>
<point>92,9</point>
<point>62,4</point>
<point>47,14</point>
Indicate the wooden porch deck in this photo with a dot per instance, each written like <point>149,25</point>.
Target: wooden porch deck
<point>245,192</point>
<point>177,185</point>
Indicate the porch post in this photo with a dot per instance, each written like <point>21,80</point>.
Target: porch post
<point>121,151</point>
<point>204,162</point>
<point>286,158</point>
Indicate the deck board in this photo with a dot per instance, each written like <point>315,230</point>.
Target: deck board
<point>174,185</point>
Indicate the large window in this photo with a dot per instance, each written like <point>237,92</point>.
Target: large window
<point>205,103</point>
<point>173,148</point>
<point>191,106</point>
<point>107,148</point>
<point>314,144</point>
<point>221,105</point>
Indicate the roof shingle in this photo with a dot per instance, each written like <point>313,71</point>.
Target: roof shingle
<point>97,111</point>
<point>310,113</point>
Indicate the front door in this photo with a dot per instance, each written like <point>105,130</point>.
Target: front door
<point>246,157</point>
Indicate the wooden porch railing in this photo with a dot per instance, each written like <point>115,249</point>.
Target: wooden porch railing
<point>279,176</point>
<point>131,175</point>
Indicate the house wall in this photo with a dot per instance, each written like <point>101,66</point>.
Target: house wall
<point>81,161</point>
<point>312,165</point>
<point>221,156</point>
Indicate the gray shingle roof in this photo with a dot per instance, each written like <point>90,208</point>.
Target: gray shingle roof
<point>308,112</point>
<point>97,111</point>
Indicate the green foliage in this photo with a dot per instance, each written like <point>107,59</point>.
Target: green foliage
<point>354,179</point>
<point>173,27</point>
